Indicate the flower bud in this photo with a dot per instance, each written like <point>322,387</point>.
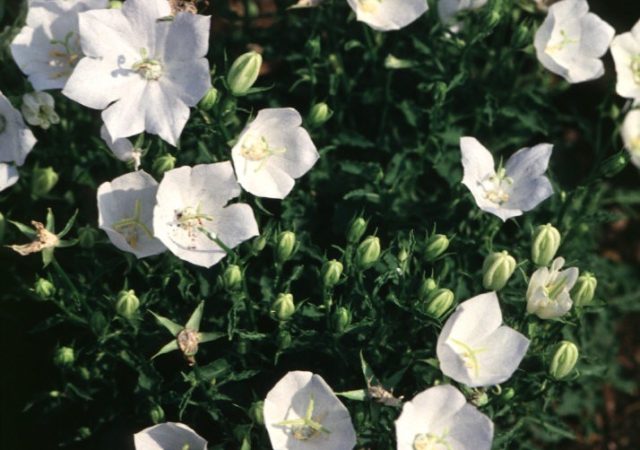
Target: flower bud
<point>156,414</point>
<point>497,269</point>
<point>38,109</point>
<point>64,357</point>
<point>163,164</point>
<point>259,244</point>
<point>209,100</point>
<point>44,288</point>
<point>286,246</point>
<point>564,360</point>
<point>244,72</point>
<point>232,278</point>
<point>331,272</point>
<point>356,230</point>
<point>436,246</point>
<point>613,165</point>
<point>428,285</point>
<point>319,114</point>
<point>546,241</point>
<point>284,307</point>
<point>127,304</point>
<point>341,319</point>
<point>256,412</point>
<point>439,302</point>
<point>87,236</point>
<point>584,290</point>
<point>44,179</point>
<point>508,394</point>
<point>368,252</point>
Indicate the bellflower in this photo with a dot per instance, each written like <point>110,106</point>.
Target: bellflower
<point>125,207</point>
<point>386,15</point>
<point>548,294</point>
<point>16,140</point>
<point>440,418</point>
<point>475,349</point>
<point>625,49</point>
<point>48,46</point>
<point>631,135</point>
<point>191,218</point>
<point>448,9</point>
<point>169,436</point>
<point>144,67</point>
<point>272,151</point>
<point>302,412</point>
<point>571,41</point>
<point>517,187</point>
<point>122,148</point>
<point>8,176</point>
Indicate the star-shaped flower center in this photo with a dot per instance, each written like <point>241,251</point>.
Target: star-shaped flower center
<point>64,54</point>
<point>559,46</point>
<point>496,187</point>
<point>130,227</point>
<point>308,427</point>
<point>148,68</point>
<point>428,441</point>
<point>469,355</point>
<point>256,148</point>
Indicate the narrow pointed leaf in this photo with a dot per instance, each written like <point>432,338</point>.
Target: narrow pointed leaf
<point>196,317</point>
<point>173,327</point>
<point>68,226</point>
<point>208,337</point>
<point>359,395</point>
<point>47,256</point>
<point>51,221</point>
<point>25,229</point>
<point>169,347</point>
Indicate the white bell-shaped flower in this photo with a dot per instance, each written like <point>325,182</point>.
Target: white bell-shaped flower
<point>631,135</point>
<point>125,207</point>
<point>8,176</point>
<point>16,140</point>
<point>192,217</point>
<point>549,291</point>
<point>387,15</point>
<point>440,418</point>
<point>517,187</point>
<point>122,148</point>
<point>571,41</point>
<point>625,49</point>
<point>448,9</point>
<point>301,412</point>
<point>169,436</point>
<point>48,46</point>
<point>475,348</point>
<point>144,68</point>
<point>272,151</point>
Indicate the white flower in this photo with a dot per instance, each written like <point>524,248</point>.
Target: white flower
<point>517,187</point>
<point>125,207</point>
<point>38,109</point>
<point>272,151</point>
<point>301,412</point>
<point>122,148</point>
<point>625,49</point>
<point>571,41</point>
<point>386,15</point>
<point>16,140</point>
<point>191,218</point>
<point>548,294</point>
<point>169,436</point>
<point>48,46</point>
<point>631,135</point>
<point>8,176</point>
<point>448,9</point>
<point>474,347</point>
<point>440,418</point>
<point>146,72</point>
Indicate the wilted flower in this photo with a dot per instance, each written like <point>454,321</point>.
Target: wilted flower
<point>302,412</point>
<point>191,218</point>
<point>38,109</point>
<point>571,41</point>
<point>272,151</point>
<point>125,207</point>
<point>169,436</point>
<point>48,46</point>
<point>474,347</point>
<point>448,9</point>
<point>8,176</point>
<point>631,131</point>
<point>440,418</point>
<point>625,49</point>
<point>122,148</point>
<point>517,187</point>
<point>146,72</point>
<point>548,294</point>
<point>16,140</point>
<point>386,15</point>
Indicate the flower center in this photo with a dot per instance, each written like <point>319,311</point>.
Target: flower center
<point>190,218</point>
<point>148,68</point>
<point>130,227</point>
<point>496,187</point>
<point>3,123</point>
<point>555,287</point>
<point>64,55</point>
<point>430,441</point>
<point>258,149</point>
<point>469,354</point>
<point>369,6</point>
<point>564,41</point>
<point>308,427</point>
<point>635,68</point>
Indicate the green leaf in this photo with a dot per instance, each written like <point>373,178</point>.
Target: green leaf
<point>169,347</point>
<point>51,221</point>
<point>68,226</point>
<point>358,395</point>
<point>196,318</point>
<point>25,229</point>
<point>47,256</point>
<point>173,327</point>
<point>208,337</point>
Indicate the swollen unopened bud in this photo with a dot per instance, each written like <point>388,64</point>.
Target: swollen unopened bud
<point>44,288</point>
<point>545,244</point>
<point>64,357</point>
<point>368,252</point>
<point>331,272</point>
<point>156,414</point>
<point>244,72</point>
<point>341,319</point>
<point>127,304</point>
<point>426,287</point>
<point>285,246</point>
<point>284,307</point>
<point>584,290</point>
<point>163,164</point>
<point>232,278</point>
<point>439,302</point>
<point>497,269</point>
<point>564,360</point>
<point>356,230</point>
<point>436,246</point>
<point>209,100</point>
<point>44,179</point>
<point>319,114</point>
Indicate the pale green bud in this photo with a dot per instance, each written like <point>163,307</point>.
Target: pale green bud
<point>439,302</point>
<point>44,288</point>
<point>331,272</point>
<point>284,307</point>
<point>244,72</point>
<point>232,278</point>
<point>285,246</point>
<point>436,246</point>
<point>319,114</point>
<point>163,164</point>
<point>426,287</point>
<point>257,412</point>
<point>341,319</point>
<point>584,290</point>
<point>64,357</point>
<point>156,414</point>
<point>44,179</point>
<point>508,394</point>
<point>87,236</point>
<point>545,244</point>
<point>497,269</point>
<point>209,100</point>
<point>356,230</point>
<point>127,304</point>
<point>259,244</point>
<point>368,252</point>
<point>564,360</point>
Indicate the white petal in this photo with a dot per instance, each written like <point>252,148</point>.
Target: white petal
<point>476,318</point>
<point>8,176</point>
<point>126,117</point>
<point>187,81</point>
<point>169,436</point>
<point>386,15</point>
<point>541,41</point>
<point>143,16</point>
<point>631,135</point>
<point>108,34</point>
<point>504,350</point>
<point>472,430</point>
<point>568,9</point>
<point>300,155</point>
<point>596,36</point>
<point>122,148</point>
<point>193,43</point>
<point>529,162</point>
<point>262,179</point>
<point>165,113</point>
<point>623,48</point>
<point>16,141</point>
<point>529,193</point>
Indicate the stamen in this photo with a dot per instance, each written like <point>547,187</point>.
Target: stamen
<point>148,68</point>
<point>67,58</point>
<point>470,356</point>
<point>428,441</point>
<point>258,150</point>
<point>308,427</point>
<point>566,40</point>
<point>129,226</point>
